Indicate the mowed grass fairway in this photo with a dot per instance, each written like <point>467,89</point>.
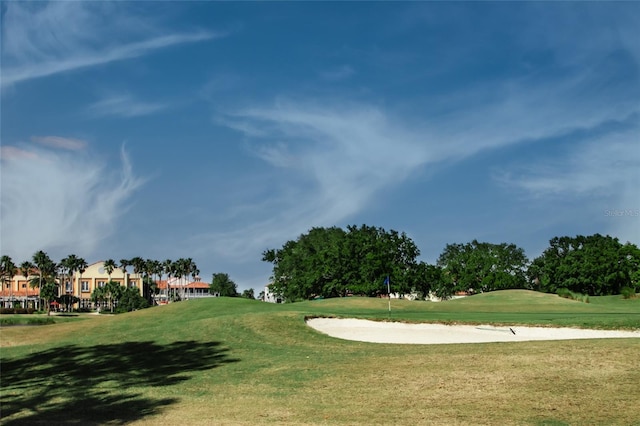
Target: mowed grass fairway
<point>235,361</point>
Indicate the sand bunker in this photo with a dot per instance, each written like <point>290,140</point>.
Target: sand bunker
<point>436,334</point>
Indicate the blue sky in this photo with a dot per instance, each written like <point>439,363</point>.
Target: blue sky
<point>218,130</point>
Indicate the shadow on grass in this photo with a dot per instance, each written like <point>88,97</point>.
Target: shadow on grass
<point>96,385</point>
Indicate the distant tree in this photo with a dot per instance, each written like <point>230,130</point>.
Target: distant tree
<point>222,285</point>
<point>109,266</point>
<point>124,264</point>
<point>41,260</point>
<point>430,279</point>
<point>7,271</point>
<point>168,269</point>
<point>26,268</point>
<point>68,266</point>
<point>332,262</point>
<point>131,300</point>
<point>46,280</point>
<point>113,291</point>
<point>150,289</point>
<point>139,265</point>
<point>98,295</point>
<point>81,266</point>
<point>482,267</point>
<point>594,265</point>
<point>49,291</point>
<point>248,294</point>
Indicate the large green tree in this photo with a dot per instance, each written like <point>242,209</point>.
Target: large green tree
<point>594,265</point>
<point>332,262</point>
<point>481,267</point>
<point>222,285</point>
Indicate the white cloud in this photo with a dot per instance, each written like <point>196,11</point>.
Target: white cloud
<point>124,106</point>
<point>60,142</point>
<point>60,201</point>
<point>42,39</point>
<point>601,174</point>
<point>335,156</point>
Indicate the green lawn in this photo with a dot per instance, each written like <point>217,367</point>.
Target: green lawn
<point>235,361</point>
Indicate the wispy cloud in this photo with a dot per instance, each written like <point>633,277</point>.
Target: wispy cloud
<point>598,174</point>
<point>60,142</point>
<point>43,39</point>
<point>335,156</point>
<point>61,201</point>
<point>124,106</point>
<point>342,72</point>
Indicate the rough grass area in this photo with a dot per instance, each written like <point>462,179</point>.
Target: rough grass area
<point>234,361</point>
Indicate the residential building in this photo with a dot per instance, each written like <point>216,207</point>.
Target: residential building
<point>19,292</point>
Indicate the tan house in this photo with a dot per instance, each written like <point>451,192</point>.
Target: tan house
<point>18,292</point>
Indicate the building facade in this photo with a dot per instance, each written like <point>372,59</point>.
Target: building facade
<point>18,292</point>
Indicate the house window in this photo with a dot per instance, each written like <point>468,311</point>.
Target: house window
<point>133,284</point>
<point>101,283</point>
<point>85,285</point>
<point>24,285</point>
<point>67,287</point>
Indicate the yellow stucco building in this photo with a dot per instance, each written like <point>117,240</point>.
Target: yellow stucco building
<point>17,291</point>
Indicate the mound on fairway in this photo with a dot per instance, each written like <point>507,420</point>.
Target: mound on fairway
<point>434,334</point>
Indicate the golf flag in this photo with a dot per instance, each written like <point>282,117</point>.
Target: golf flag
<point>387,281</point>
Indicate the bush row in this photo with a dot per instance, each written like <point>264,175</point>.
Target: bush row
<point>17,310</point>
<point>568,294</point>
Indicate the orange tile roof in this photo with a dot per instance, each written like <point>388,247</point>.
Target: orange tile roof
<point>195,284</point>
<point>19,293</point>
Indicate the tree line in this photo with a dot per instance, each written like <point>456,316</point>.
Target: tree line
<point>334,262</point>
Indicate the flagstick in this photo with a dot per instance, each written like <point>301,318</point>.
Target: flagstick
<point>389,293</point>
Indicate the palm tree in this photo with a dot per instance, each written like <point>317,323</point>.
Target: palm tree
<point>149,283</point>
<point>48,289</point>
<point>41,260</point>
<point>98,296</point>
<point>158,269</point>
<point>138,266</point>
<point>168,269</point>
<point>7,272</point>
<point>124,264</point>
<point>181,270</point>
<point>81,266</point>
<point>114,292</point>
<point>25,270</point>
<point>191,269</point>
<point>69,265</point>
<point>109,265</point>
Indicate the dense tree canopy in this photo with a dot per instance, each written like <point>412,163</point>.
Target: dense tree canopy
<point>593,265</point>
<point>222,285</point>
<point>331,262</point>
<point>482,267</point>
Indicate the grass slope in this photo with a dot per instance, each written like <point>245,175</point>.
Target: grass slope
<point>235,361</point>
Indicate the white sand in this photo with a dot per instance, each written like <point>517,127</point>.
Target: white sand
<point>435,334</point>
